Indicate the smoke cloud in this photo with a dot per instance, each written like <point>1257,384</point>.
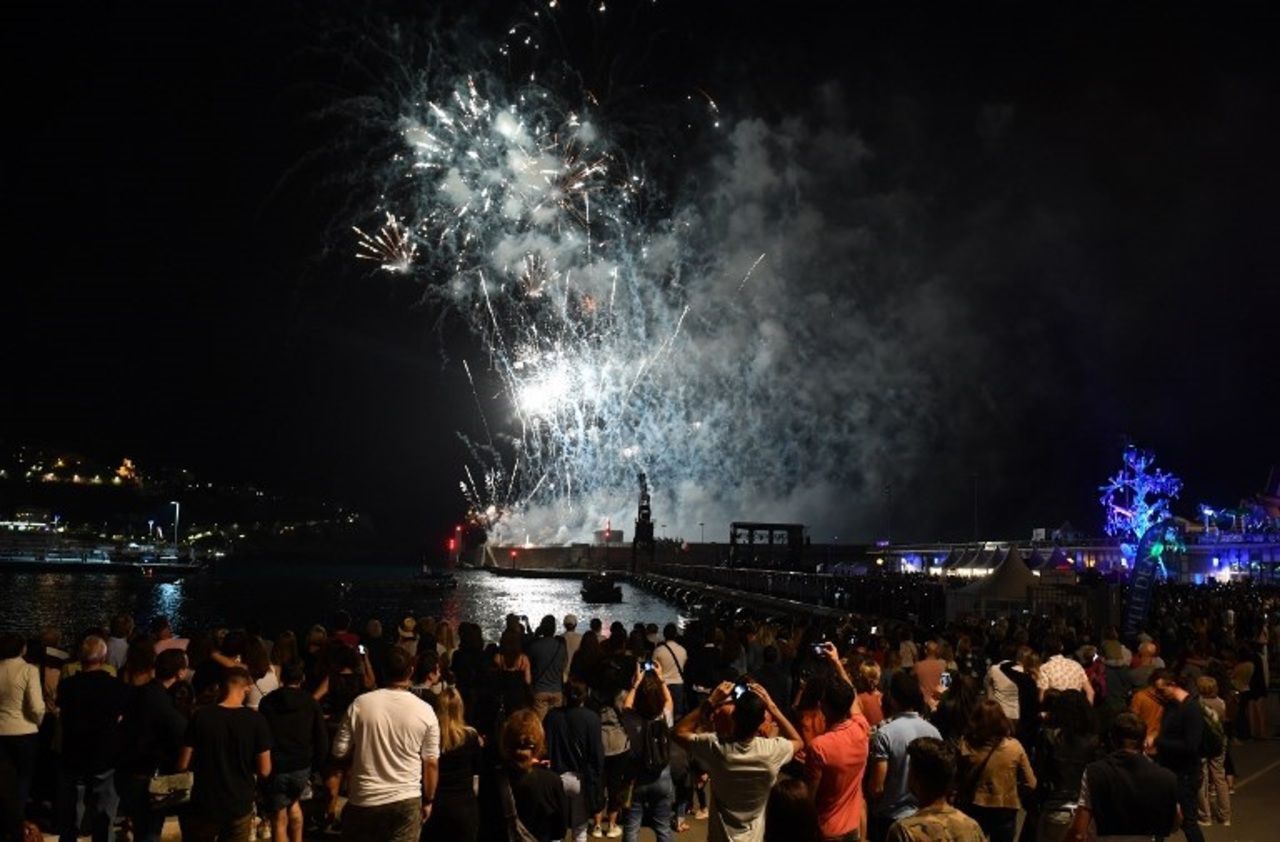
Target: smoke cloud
<point>812,374</point>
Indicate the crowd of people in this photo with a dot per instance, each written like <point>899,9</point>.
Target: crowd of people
<point>1019,728</point>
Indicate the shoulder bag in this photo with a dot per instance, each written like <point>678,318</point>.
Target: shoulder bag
<point>974,777</point>
<point>164,792</point>
<point>516,831</point>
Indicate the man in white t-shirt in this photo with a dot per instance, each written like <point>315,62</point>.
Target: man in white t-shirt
<point>393,739</point>
<point>742,766</point>
<point>1000,688</point>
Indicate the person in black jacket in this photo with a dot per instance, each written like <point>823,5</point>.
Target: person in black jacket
<point>152,729</point>
<point>1178,746</point>
<point>576,752</point>
<point>299,742</point>
<point>92,702</point>
<point>1125,793</point>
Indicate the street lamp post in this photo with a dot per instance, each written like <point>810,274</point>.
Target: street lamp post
<point>703,527</point>
<point>974,477</point>
<point>177,511</point>
<point>888,512</point>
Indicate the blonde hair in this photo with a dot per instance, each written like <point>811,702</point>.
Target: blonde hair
<point>869,673</point>
<point>453,726</point>
<point>1207,687</point>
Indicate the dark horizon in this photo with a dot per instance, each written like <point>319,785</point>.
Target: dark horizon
<point>1090,194</point>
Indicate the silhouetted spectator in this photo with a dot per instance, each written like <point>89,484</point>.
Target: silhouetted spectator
<point>92,703</point>
<point>152,730</point>
<point>299,743</point>
<point>226,745</point>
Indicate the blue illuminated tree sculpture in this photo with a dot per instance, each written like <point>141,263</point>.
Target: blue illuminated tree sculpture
<point>1136,498</point>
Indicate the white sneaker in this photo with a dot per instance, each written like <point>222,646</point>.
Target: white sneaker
<point>614,832</point>
<point>597,832</point>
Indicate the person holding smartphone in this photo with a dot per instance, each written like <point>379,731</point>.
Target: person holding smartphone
<point>929,671</point>
<point>742,765</point>
<point>836,759</point>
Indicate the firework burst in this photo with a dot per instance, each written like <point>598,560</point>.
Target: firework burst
<point>625,329</point>
<point>391,246</point>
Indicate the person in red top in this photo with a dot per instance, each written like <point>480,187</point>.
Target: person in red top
<point>836,759</point>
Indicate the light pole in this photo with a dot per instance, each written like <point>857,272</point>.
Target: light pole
<point>888,512</point>
<point>975,508</point>
<point>177,510</point>
<point>703,527</point>
<point>151,529</point>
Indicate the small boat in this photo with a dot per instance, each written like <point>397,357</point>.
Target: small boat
<point>600,588</point>
<point>159,575</point>
<point>163,571</point>
<point>434,581</point>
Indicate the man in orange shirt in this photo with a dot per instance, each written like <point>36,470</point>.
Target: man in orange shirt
<point>835,760</point>
<point>1147,705</point>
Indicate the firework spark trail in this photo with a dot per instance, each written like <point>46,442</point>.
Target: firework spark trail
<point>662,350</point>
<point>484,416</point>
<point>750,271</point>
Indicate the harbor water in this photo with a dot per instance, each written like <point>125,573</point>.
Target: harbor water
<point>278,598</point>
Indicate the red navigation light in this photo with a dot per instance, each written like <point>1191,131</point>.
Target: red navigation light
<point>452,544</point>
<point>513,553</point>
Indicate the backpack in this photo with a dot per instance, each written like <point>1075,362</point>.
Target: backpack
<point>650,744</point>
<point>1213,739</point>
<point>613,736</point>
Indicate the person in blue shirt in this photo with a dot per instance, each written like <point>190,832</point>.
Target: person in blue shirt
<point>890,797</point>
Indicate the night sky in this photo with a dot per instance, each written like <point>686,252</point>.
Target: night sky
<point>1096,188</point>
